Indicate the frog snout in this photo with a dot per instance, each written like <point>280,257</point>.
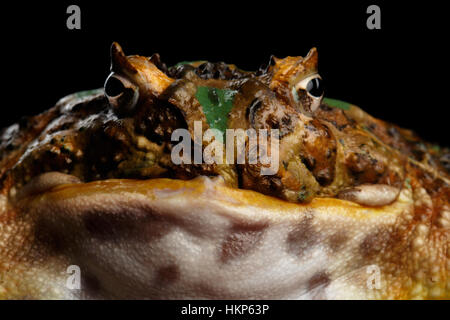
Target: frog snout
<point>122,94</point>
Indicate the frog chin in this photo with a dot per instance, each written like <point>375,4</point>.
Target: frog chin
<point>173,239</point>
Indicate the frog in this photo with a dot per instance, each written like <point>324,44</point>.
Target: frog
<point>92,205</point>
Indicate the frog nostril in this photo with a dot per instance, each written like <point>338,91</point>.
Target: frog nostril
<point>114,87</point>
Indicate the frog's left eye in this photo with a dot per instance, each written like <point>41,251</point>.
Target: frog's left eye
<point>114,87</point>
<point>309,91</point>
<point>122,94</point>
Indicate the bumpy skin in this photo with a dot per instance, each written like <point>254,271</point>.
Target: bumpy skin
<point>359,208</point>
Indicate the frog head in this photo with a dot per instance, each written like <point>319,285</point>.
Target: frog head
<point>283,96</point>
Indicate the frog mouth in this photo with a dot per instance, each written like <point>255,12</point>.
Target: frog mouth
<point>175,239</point>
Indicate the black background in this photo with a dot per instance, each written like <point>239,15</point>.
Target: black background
<point>394,73</point>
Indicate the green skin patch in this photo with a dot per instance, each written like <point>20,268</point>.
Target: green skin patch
<point>216,104</point>
<point>82,94</point>
<point>337,103</point>
<point>408,183</point>
<point>436,148</point>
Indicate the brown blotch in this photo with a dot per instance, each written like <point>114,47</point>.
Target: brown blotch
<point>241,241</point>
<point>156,226</point>
<point>167,274</point>
<point>47,235</point>
<point>374,243</point>
<point>302,237</point>
<point>336,241</point>
<point>90,284</point>
<point>123,225</point>
<point>320,279</point>
<point>107,226</point>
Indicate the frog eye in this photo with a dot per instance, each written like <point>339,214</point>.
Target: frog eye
<point>122,94</point>
<point>114,87</point>
<point>313,85</point>
<point>309,90</point>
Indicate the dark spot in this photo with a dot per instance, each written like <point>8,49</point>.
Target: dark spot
<point>123,225</point>
<point>168,274</point>
<point>393,132</point>
<point>337,240</point>
<point>330,152</point>
<point>47,235</point>
<point>107,226</point>
<point>213,97</point>
<point>311,127</point>
<point>90,284</point>
<point>286,120</point>
<point>302,237</point>
<point>241,241</point>
<point>10,147</point>
<point>445,161</point>
<point>324,177</point>
<point>374,243</point>
<point>309,162</point>
<point>272,122</point>
<point>155,227</point>
<point>320,279</point>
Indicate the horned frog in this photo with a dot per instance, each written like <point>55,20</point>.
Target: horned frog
<point>358,207</point>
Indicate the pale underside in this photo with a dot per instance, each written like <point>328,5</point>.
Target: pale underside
<point>172,239</point>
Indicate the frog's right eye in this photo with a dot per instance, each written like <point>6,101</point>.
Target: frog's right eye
<point>122,94</point>
<point>309,92</point>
